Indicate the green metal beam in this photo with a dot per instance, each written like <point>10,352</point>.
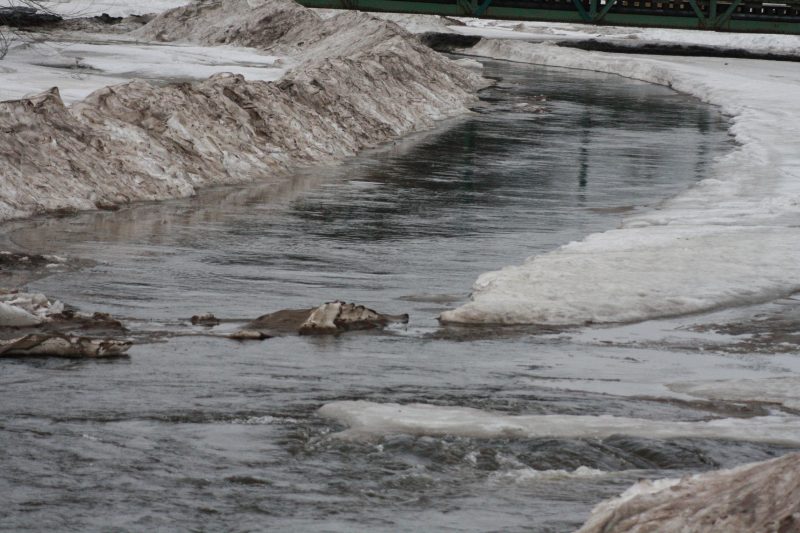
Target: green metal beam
<point>482,8</point>
<point>581,11</point>
<point>727,15</point>
<point>698,11</point>
<point>606,8</point>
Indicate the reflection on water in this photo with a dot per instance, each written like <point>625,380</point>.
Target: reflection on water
<point>204,433</point>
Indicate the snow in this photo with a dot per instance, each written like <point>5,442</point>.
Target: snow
<point>114,8</point>
<point>367,419</point>
<point>631,36</point>
<point>80,68</point>
<point>730,240</point>
<point>532,31</point>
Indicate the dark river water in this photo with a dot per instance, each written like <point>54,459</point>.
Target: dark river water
<point>201,433</point>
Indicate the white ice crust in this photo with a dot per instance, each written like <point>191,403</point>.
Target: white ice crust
<point>114,8</point>
<point>764,43</point>
<point>367,419</point>
<point>26,309</point>
<point>732,239</point>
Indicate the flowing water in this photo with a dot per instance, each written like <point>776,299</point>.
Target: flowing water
<point>197,432</point>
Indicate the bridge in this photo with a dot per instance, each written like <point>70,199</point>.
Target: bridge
<point>755,16</point>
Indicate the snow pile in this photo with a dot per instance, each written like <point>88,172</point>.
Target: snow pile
<point>367,419</point>
<point>733,239</point>
<point>755,497</point>
<point>358,82</point>
<point>254,23</point>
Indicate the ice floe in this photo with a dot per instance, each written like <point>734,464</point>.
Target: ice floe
<point>367,419</point>
<point>783,390</point>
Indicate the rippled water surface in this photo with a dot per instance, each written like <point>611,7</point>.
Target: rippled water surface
<point>196,432</point>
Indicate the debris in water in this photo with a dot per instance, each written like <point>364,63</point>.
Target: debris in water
<point>33,325</point>
<point>328,319</point>
<point>206,319</point>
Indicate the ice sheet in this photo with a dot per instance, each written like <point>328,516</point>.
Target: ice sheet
<point>80,68</point>
<point>730,240</point>
<point>114,8</point>
<point>784,390</point>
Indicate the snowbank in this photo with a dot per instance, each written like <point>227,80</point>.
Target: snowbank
<point>763,43</point>
<point>733,239</point>
<point>367,419</point>
<point>357,82</point>
<point>756,497</point>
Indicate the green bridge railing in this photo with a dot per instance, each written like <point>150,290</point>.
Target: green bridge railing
<point>717,15</point>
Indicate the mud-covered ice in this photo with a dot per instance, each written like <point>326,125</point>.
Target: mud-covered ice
<point>755,497</point>
<point>730,240</point>
<point>367,419</point>
<point>359,82</point>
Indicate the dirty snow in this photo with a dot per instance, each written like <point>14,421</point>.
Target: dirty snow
<point>755,497</point>
<point>730,240</point>
<point>355,82</point>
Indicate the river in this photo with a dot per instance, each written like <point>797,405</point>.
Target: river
<point>201,433</point>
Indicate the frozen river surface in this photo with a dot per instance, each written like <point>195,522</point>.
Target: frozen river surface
<point>207,434</point>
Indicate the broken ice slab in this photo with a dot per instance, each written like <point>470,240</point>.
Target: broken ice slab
<point>60,345</point>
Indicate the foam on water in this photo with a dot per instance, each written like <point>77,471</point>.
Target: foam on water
<point>730,240</point>
<point>368,419</point>
<point>523,476</point>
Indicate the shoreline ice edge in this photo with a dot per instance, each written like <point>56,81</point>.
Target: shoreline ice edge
<point>729,240</point>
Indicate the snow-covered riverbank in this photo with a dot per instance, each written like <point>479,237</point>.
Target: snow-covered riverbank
<point>731,240</point>
<point>353,82</point>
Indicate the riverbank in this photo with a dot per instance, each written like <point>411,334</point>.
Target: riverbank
<point>353,82</point>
